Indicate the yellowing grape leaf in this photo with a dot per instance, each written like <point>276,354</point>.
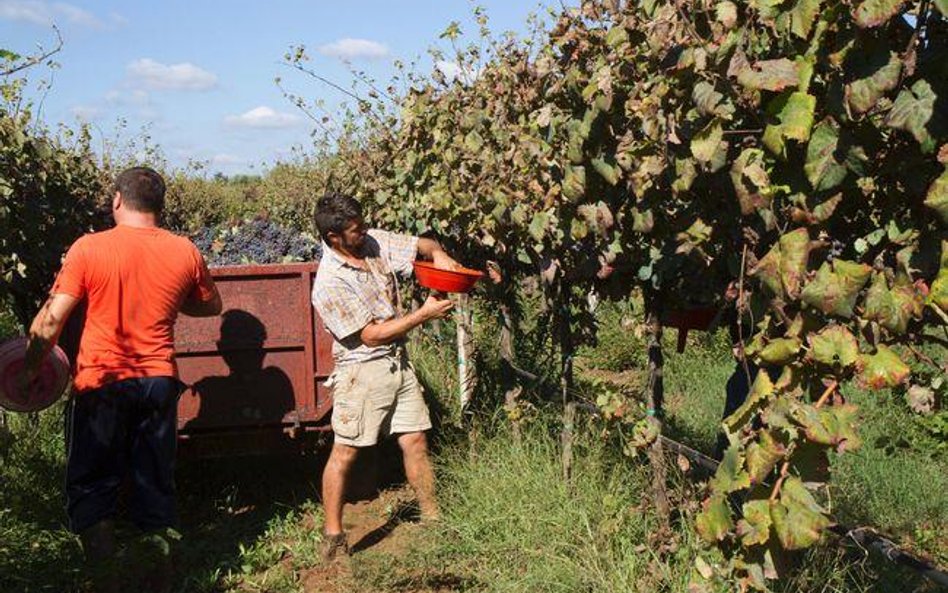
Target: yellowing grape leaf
<point>882,369</point>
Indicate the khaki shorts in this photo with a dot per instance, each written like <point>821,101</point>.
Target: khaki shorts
<point>375,399</point>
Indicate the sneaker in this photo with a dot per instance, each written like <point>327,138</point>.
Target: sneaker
<point>332,545</point>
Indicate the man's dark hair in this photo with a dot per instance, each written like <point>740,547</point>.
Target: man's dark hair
<point>334,212</point>
<point>142,189</point>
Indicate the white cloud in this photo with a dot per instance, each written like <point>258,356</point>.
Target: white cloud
<point>224,159</point>
<point>262,117</point>
<point>454,71</point>
<point>156,76</point>
<point>44,13</point>
<point>349,49</point>
<point>134,97</point>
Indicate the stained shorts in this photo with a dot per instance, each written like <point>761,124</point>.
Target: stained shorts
<point>376,399</point>
<point>123,431</point>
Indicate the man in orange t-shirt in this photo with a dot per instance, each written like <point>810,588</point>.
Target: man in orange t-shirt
<point>135,278</point>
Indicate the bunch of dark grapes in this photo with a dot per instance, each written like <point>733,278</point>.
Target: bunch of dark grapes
<point>835,250</point>
<point>257,241</point>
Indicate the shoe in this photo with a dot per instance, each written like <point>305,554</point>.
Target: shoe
<point>332,545</point>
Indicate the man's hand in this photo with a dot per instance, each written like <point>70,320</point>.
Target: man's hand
<point>443,261</point>
<point>435,308</point>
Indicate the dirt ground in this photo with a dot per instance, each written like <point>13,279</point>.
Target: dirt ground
<point>385,524</point>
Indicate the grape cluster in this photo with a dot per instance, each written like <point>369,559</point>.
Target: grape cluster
<point>257,241</point>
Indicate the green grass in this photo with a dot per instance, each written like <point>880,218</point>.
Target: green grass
<point>512,524</point>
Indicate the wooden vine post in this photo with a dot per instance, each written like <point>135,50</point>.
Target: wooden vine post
<point>566,387</point>
<point>655,395</point>
<point>467,373</point>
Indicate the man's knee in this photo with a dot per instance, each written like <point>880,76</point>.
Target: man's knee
<point>343,456</point>
<point>413,442</point>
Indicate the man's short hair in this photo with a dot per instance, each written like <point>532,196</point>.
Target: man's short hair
<point>142,189</point>
<point>334,212</point>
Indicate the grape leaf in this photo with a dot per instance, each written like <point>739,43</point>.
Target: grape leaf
<point>937,197</point>
<point>763,455</point>
<point>730,475</point>
<point>754,527</point>
<point>876,70</point>
<point>912,111</point>
<point>882,369</point>
<point>794,111</point>
<point>893,307</point>
<point>797,518</point>
<point>760,391</point>
<point>831,426</point>
<point>770,75</point>
<point>836,286</point>
<point>834,346</point>
<point>872,13</point>
<point>714,521</point>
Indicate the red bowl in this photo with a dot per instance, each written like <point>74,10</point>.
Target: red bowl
<point>50,384</point>
<point>429,276</point>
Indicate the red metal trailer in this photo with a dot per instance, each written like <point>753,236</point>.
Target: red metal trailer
<point>256,374</point>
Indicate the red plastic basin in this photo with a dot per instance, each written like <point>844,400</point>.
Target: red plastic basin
<point>429,276</point>
<point>50,384</point>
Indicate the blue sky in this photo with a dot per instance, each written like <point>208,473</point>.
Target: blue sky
<point>199,75</point>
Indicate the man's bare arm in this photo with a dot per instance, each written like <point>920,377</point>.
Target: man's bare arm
<point>46,327</point>
<point>386,332</point>
<point>197,308</point>
<point>431,249</point>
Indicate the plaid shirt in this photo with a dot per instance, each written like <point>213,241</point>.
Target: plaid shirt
<point>348,298</point>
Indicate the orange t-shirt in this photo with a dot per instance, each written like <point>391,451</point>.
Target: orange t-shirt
<point>135,280</point>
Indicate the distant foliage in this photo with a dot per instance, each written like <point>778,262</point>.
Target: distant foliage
<point>255,241</point>
<point>50,194</point>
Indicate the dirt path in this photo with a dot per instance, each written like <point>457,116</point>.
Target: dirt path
<point>387,524</point>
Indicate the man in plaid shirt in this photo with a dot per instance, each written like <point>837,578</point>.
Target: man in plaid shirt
<point>375,391</point>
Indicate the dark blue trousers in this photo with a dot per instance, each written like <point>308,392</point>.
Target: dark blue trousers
<point>126,430</point>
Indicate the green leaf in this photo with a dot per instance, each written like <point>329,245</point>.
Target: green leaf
<point>937,197</point>
<point>8,55</point>
<point>725,12</point>
<point>872,13</point>
<point>794,111</point>
<point>473,141</point>
<point>829,426</point>
<point>882,369</point>
<point>938,295</point>
<point>578,229</point>
<point>823,169</point>
<point>642,221</point>
<point>835,346</point>
<point>714,521</point>
<point>942,5</point>
<point>751,181</point>
<point>802,16</point>
<point>797,518</point>
<point>794,255</point>
<point>452,31</point>
<point>836,286</point>
<point>754,528</point>
<point>706,143</point>
<point>730,475</point>
<point>763,455</point>
<point>875,70</point>
<point>574,183</point>
<point>617,36</point>
<point>770,75</point>
<point>609,172</point>
<point>780,351</point>
<point>760,392</point>
<point>538,226</point>
<point>893,308</point>
<point>912,111</point>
